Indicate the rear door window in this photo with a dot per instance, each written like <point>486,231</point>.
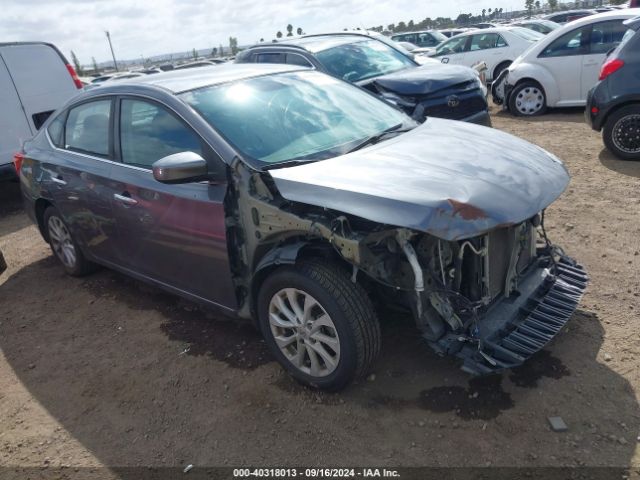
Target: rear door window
<point>270,58</point>
<point>149,132</point>
<point>572,43</point>
<point>606,36</point>
<point>455,45</point>
<point>87,128</point>
<point>485,41</point>
<point>295,59</point>
<point>56,130</point>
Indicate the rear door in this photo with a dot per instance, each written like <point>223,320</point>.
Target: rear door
<point>14,128</point>
<point>454,50</point>
<point>173,234</point>
<point>605,36</point>
<point>490,48</point>
<point>77,173</point>
<point>40,77</point>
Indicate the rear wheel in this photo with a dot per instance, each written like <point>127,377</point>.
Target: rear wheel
<point>527,99</point>
<point>319,325</point>
<point>621,133</point>
<point>63,245</point>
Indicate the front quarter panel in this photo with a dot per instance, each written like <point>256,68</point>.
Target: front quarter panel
<point>535,71</point>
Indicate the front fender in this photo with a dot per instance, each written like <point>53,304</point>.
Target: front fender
<point>526,71</point>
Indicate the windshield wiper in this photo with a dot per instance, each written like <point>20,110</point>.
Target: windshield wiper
<point>373,139</point>
<point>288,163</point>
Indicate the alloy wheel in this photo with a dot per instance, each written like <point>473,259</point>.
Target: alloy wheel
<point>304,332</point>
<point>626,134</point>
<point>529,100</point>
<point>62,242</point>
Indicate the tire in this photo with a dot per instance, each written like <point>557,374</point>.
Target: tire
<point>619,131</point>
<point>527,99</point>
<point>340,321</point>
<point>64,246</point>
<point>499,69</point>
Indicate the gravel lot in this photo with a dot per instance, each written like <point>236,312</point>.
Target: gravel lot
<point>106,371</point>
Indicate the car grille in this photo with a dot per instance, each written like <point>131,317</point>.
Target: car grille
<point>468,106</point>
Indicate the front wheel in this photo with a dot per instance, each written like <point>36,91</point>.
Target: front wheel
<point>64,246</point>
<point>527,99</point>
<point>318,324</point>
<point>621,133</point>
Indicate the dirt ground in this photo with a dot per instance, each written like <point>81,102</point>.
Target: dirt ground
<point>104,371</point>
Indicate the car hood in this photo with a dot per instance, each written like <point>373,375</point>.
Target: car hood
<point>454,180</point>
<point>425,79</point>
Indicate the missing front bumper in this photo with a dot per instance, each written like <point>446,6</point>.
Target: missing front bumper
<point>519,327</point>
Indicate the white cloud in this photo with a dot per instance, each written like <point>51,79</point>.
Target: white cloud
<point>151,27</point>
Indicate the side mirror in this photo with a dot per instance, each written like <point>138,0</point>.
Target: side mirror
<point>183,167</point>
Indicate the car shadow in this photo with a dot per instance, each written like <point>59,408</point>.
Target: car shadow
<point>11,207</point>
<point>140,377</point>
<point>629,168</point>
<point>570,115</point>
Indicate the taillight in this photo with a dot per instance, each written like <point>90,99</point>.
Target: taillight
<point>610,66</point>
<point>74,76</point>
<point>18,157</point>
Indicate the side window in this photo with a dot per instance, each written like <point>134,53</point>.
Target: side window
<point>270,58</point>
<point>426,40</point>
<point>571,43</point>
<point>606,35</point>
<point>486,41</point>
<point>87,128</point>
<point>295,59</point>
<point>56,130</point>
<point>148,132</point>
<point>455,45</point>
<point>500,42</point>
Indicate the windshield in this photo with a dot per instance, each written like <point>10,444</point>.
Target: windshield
<point>293,116</point>
<point>362,60</point>
<point>526,34</point>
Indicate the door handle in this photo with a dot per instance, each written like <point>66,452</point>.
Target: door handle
<point>58,180</point>
<point>126,199</point>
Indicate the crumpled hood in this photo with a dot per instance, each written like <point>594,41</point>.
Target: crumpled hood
<point>425,79</point>
<point>451,179</point>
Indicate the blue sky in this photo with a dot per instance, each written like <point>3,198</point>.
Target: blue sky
<point>150,27</point>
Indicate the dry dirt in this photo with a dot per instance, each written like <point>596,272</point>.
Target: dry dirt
<point>104,371</point>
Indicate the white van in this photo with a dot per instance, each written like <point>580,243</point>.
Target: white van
<point>35,79</point>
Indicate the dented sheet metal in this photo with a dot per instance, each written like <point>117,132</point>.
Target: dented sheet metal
<point>451,179</point>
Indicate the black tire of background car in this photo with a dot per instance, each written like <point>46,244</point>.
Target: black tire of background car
<point>514,94</point>
<point>350,309</point>
<point>607,131</point>
<point>82,266</point>
<point>3,264</point>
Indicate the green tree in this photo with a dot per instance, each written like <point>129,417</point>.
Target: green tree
<point>233,45</point>
<point>95,64</point>
<point>214,52</point>
<point>391,27</point>
<point>553,4</point>
<point>279,34</point>
<point>528,5</point>
<point>76,63</point>
<point>194,53</point>
<point>484,12</point>
<point>402,27</point>
<point>289,30</point>
<point>537,4</point>
<point>299,31</point>
<point>410,25</point>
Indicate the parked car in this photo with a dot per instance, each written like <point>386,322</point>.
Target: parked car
<point>293,198</point>
<point>425,38</point>
<point>538,25</point>
<point>497,47</point>
<point>484,25</point>
<point>196,64</point>
<point>568,15</point>
<point>452,32</point>
<point>613,105</point>
<point>384,69</point>
<point>26,99</point>
<point>560,69</point>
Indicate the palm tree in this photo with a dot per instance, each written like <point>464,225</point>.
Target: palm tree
<point>299,31</point>
<point>289,30</point>
<point>279,34</point>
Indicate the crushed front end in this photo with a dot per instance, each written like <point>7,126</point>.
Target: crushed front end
<point>493,300</point>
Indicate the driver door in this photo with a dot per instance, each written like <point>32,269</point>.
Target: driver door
<point>172,234</point>
<point>453,51</point>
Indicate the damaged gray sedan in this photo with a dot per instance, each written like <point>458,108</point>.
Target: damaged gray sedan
<point>295,199</point>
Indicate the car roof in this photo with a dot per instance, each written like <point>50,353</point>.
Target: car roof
<point>613,15</point>
<point>182,80</point>
<point>414,31</point>
<point>482,31</point>
<point>318,43</point>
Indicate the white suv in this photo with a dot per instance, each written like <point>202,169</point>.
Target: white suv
<point>561,68</point>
